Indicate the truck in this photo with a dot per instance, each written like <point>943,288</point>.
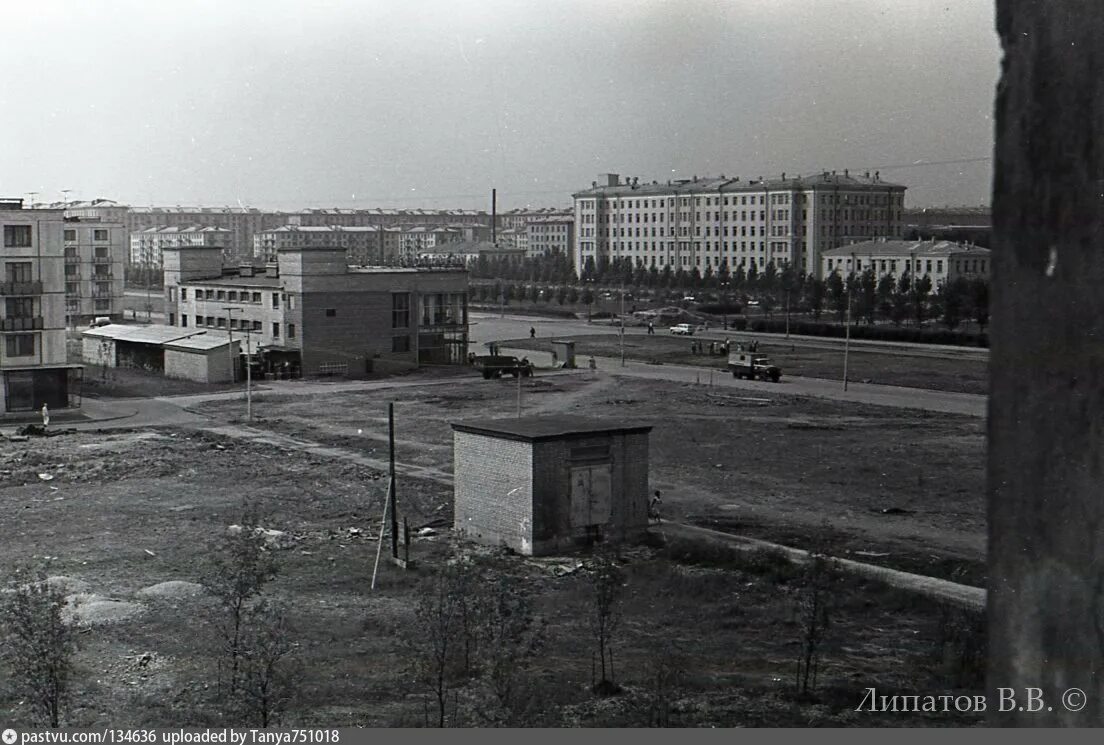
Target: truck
<point>495,365</point>
<point>753,366</point>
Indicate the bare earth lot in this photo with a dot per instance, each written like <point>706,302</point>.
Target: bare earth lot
<point>125,512</point>
<point>954,375</point>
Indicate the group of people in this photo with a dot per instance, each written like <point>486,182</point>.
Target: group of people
<point>715,348</point>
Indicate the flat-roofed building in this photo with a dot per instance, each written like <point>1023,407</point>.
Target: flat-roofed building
<point>147,246</point>
<point>34,367</point>
<point>711,223</point>
<point>939,260</point>
<point>95,261</point>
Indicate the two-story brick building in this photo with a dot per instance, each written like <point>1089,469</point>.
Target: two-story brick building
<point>313,311</point>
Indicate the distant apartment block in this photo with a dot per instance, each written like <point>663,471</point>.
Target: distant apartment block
<point>95,256</point>
<point>519,218</point>
<point>940,261</point>
<point>244,223</point>
<point>469,252</point>
<point>146,246</point>
<point>33,359</point>
<point>550,235</point>
<point>705,224</point>
<point>364,245</point>
<point>314,313</point>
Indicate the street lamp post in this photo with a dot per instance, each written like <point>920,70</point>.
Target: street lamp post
<point>230,330</point>
<point>847,332</point>
<point>248,374</point>
<point>622,319</point>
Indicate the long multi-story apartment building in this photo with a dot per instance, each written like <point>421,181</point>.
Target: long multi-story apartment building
<point>95,257</point>
<point>364,245</point>
<point>146,246</point>
<point>709,223</point>
<point>313,311</point>
<point>33,361</point>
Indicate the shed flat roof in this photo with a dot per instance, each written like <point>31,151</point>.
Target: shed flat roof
<point>200,343</point>
<point>535,428</point>
<point>154,334</point>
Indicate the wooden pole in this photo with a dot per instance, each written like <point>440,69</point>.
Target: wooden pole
<point>391,470</point>
<point>383,523</point>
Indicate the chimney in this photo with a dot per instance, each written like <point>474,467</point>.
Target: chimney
<point>612,179</point>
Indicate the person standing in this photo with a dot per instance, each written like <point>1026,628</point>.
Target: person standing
<point>532,333</point>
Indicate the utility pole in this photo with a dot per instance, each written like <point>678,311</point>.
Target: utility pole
<point>622,318</point>
<point>230,330</point>
<point>248,375</point>
<point>519,394</point>
<point>391,471</point>
<point>847,332</point>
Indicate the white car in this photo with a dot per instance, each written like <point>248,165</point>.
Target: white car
<point>683,329</point>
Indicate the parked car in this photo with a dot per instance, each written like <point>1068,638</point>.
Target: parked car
<point>682,329</point>
<point>495,365</point>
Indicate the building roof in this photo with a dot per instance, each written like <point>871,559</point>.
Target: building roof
<point>201,343</point>
<point>235,280</point>
<point>538,428</point>
<point>713,185</point>
<point>181,230</point>
<point>154,334</point>
<point>322,229</point>
<point>905,248</point>
<point>469,247</point>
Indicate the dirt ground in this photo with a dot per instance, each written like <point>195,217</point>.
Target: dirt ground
<point>123,521</point>
<point>956,375</point>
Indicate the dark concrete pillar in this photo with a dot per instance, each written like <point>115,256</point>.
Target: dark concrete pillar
<point>1046,409</point>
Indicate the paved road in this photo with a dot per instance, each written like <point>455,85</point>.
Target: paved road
<point>491,327</point>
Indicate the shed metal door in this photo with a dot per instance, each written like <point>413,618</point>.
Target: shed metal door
<point>590,495</point>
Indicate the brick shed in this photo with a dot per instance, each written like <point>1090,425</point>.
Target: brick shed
<point>542,485</point>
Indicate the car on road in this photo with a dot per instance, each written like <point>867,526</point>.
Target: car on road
<point>682,329</point>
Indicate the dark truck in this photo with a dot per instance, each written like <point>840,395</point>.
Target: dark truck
<point>495,365</point>
<point>753,366</point>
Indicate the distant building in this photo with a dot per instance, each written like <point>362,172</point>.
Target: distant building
<point>364,245</point>
<point>469,252</point>
<point>543,485</point>
<point>95,257</point>
<point>938,260</point>
<point>147,246</point>
<point>34,368</point>
<point>521,217</point>
<point>320,316</point>
<point>713,222</point>
<point>962,217</point>
<point>550,235</point>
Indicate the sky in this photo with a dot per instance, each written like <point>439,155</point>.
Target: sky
<point>288,104</point>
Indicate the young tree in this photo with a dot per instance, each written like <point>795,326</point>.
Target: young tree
<point>921,290</point>
<point>815,292</point>
<point>837,294</point>
<point>239,568</point>
<point>435,637</point>
<point>604,611</point>
<point>561,294</point>
<point>38,644</point>
<point>884,294</point>
<point>867,295</point>
<point>814,595</point>
<point>267,677</point>
<point>751,278</point>
<point>952,300</point>
<point>534,293</point>
<point>979,300</point>
<point>572,295</point>
<point>664,672</point>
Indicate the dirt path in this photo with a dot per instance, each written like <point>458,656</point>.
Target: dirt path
<point>938,589</point>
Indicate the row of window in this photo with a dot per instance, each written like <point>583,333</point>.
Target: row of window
<point>890,265</point>
<point>19,345</point>
<point>234,324</point>
<point>777,198</point>
<point>98,234</point>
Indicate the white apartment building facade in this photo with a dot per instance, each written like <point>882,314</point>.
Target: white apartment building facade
<point>715,222</point>
<point>33,358</point>
<point>550,235</point>
<point>146,246</point>
<point>95,256</point>
<point>939,260</point>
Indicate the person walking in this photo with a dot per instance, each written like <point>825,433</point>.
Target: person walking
<point>651,328</point>
<point>532,333</point>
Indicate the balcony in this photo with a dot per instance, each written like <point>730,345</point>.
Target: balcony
<point>102,277</point>
<point>72,259</point>
<point>21,324</point>
<point>21,288</point>
<point>101,259</point>
<point>101,292</point>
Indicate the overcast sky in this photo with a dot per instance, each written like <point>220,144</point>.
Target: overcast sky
<point>431,103</point>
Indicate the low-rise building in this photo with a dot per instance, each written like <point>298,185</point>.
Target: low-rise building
<point>314,313</point>
<point>95,257</point>
<point>365,245</point>
<point>938,260</point>
<point>34,368</point>
<point>469,252</point>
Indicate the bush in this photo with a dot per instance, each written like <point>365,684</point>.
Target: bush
<point>722,309</point>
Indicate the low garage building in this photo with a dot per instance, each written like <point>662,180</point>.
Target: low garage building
<point>203,358</point>
<point>542,485</point>
<point>174,352</point>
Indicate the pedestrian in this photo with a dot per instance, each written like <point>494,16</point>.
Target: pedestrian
<point>45,416</point>
<point>593,364</point>
<point>651,327</point>
<point>653,507</point>
<point>532,333</point>
<point>555,359</point>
